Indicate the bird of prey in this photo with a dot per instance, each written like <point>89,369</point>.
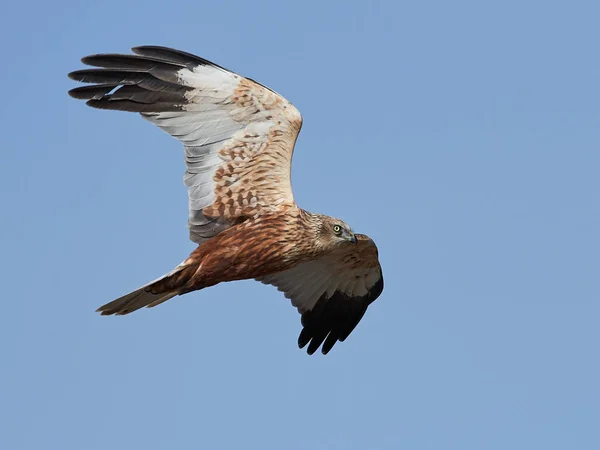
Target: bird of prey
<point>238,137</point>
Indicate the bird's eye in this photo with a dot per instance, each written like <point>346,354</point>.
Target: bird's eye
<point>337,229</point>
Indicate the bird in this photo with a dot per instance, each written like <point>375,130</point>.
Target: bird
<point>238,138</point>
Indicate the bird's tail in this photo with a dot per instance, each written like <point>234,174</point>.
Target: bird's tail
<point>150,295</point>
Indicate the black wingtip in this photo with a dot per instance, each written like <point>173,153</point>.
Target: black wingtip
<point>73,75</point>
<point>94,92</point>
<point>330,341</point>
<point>334,318</point>
<point>173,56</point>
<point>73,94</point>
<point>304,338</point>
<point>90,60</point>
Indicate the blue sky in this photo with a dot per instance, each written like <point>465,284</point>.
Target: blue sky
<point>462,136</point>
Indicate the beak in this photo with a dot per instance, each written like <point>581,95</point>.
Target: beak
<point>353,239</point>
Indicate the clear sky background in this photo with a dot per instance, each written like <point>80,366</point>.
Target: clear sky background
<point>463,136</point>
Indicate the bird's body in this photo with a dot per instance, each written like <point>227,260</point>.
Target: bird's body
<point>238,138</point>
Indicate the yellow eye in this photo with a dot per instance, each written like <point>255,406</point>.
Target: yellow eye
<point>337,229</point>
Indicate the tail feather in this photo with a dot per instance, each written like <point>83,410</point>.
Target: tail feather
<point>149,295</point>
<point>134,301</point>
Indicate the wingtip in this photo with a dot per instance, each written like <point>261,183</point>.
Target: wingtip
<point>73,75</point>
<point>93,104</point>
<point>137,49</point>
<point>311,351</point>
<point>304,338</point>
<point>89,59</point>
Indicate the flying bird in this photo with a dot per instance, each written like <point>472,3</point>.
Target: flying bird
<point>238,138</point>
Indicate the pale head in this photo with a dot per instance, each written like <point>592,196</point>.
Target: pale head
<point>332,232</point>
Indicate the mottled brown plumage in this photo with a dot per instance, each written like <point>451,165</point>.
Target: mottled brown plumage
<point>238,139</point>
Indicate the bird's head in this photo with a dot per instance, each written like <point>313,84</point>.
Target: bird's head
<point>334,232</point>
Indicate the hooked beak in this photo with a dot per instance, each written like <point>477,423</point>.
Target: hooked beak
<point>353,239</point>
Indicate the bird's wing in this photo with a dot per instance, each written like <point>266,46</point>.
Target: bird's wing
<point>238,135</point>
<point>333,292</point>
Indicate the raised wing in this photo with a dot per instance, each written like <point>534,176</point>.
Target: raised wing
<point>332,293</point>
<point>238,135</point>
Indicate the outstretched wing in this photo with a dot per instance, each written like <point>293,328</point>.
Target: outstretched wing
<point>238,135</point>
<point>333,292</point>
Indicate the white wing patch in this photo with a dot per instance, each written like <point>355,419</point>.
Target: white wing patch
<point>307,282</point>
<point>203,126</point>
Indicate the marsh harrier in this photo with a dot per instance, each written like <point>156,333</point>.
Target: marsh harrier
<point>238,138</point>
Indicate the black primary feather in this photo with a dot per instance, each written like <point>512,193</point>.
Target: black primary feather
<point>334,318</point>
